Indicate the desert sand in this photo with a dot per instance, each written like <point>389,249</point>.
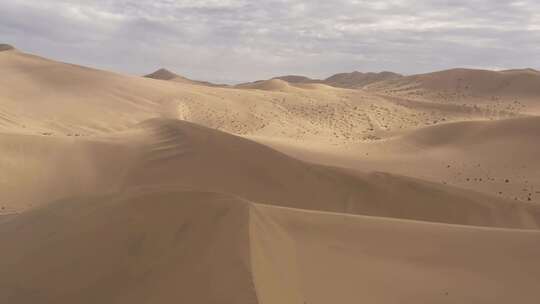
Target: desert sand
<point>362,187</point>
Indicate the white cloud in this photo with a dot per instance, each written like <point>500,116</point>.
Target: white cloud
<point>243,39</point>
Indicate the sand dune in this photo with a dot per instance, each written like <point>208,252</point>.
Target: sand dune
<point>164,74</point>
<point>265,175</point>
<point>484,83</point>
<point>317,257</point>
<point>172,152</point>
<point>479,133</point>
<point>36,169</point>
<point>39,95</point>
<point>46,97</point>
<point>361,188</point>
<point>498,157</point>
<point>511,90</point>
<point>475,83</point>
<point>494,157</point>
<point>355,80</point>
<point>160,244</point>
<point>135,247</point>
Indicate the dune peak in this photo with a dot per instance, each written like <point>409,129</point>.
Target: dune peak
<point>162,74</point>
<point>6,47</point>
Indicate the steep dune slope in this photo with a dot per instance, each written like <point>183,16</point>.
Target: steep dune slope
<point>206,159</point>
<point>499,157</point>
<point>37,169</point>
<point>141,246</point>
<point>178,153</point>
<point>495,157</point>
<point>312,257</point>
<point>463,135</point>
<point>164,244</point>
<point>48,96</point>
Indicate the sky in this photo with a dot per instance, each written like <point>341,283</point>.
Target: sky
<point>239,40</point>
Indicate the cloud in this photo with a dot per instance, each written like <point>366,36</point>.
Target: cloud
<point>236,40</point>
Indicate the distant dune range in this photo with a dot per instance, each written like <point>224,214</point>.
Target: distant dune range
<point>164,74</point>
<point>176,153</point>
<point>517,84</point>
<point>126,189</point>
<point>353,80</point>
<point>515,90</point>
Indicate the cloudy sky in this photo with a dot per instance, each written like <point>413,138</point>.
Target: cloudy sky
<point>238,40</point>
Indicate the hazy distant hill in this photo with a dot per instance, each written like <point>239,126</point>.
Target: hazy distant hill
<point>353,80</point>
<point>164,74</point>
